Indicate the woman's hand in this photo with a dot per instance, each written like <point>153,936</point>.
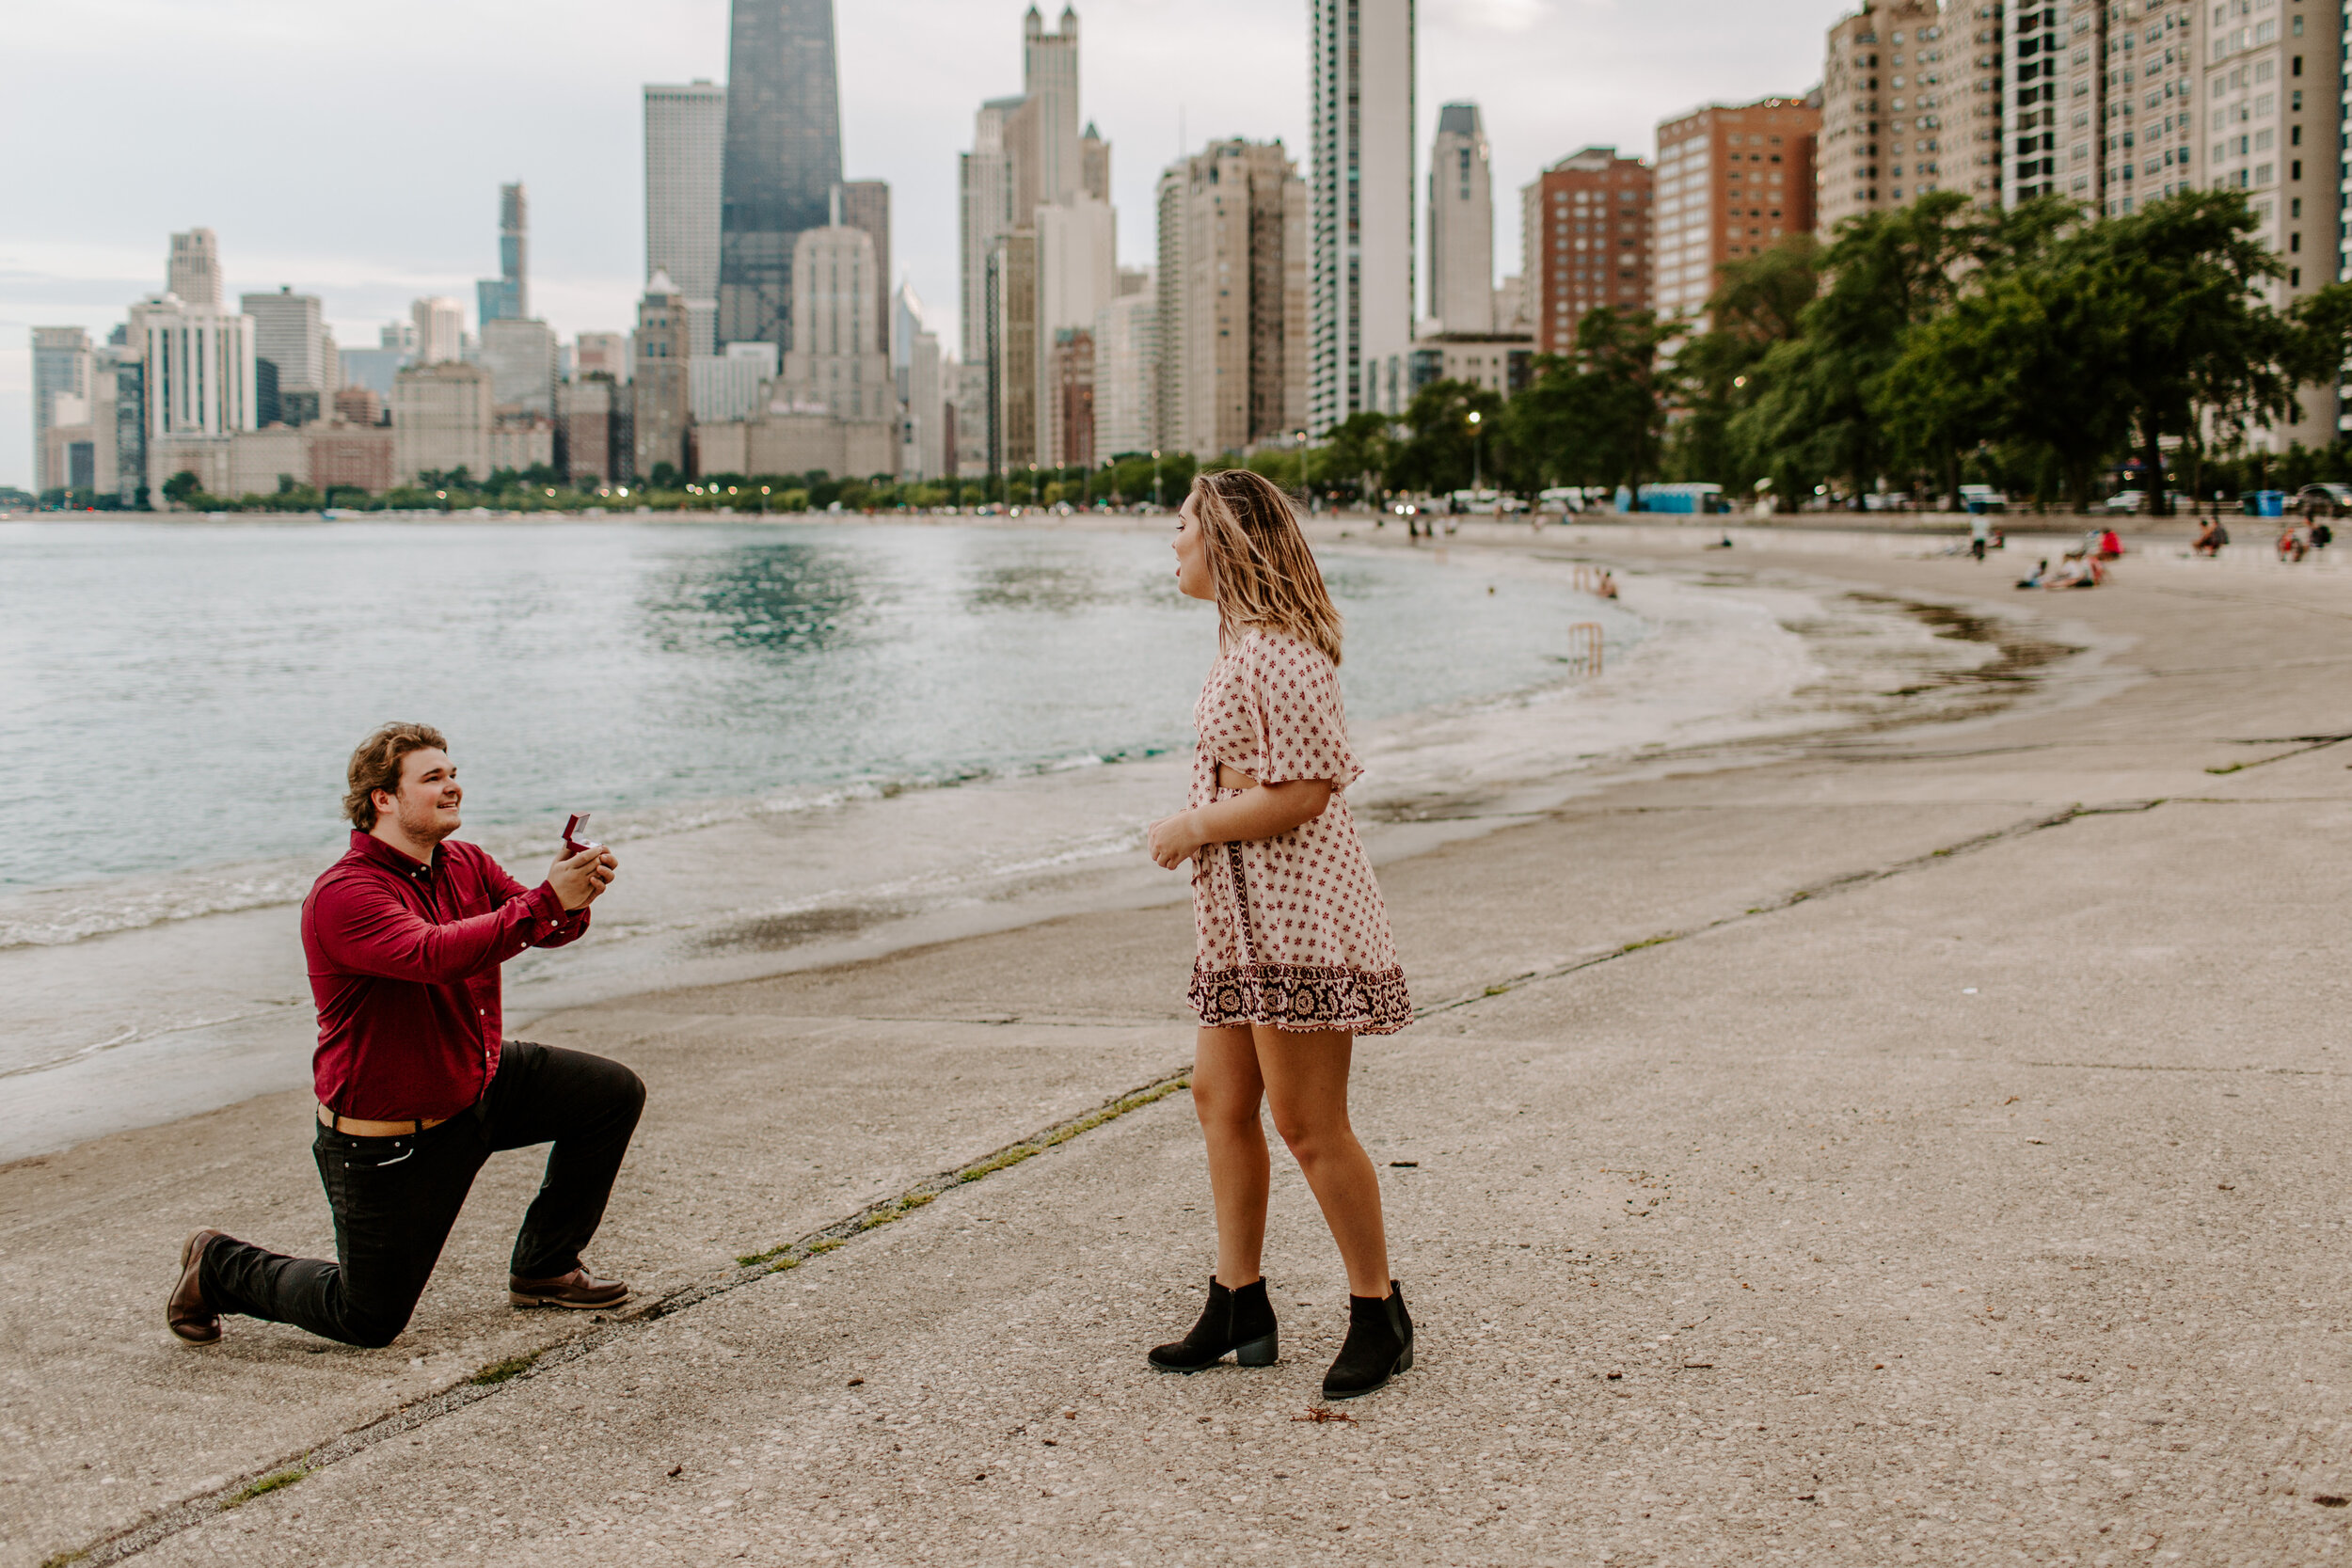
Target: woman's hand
<point>1175,840</point>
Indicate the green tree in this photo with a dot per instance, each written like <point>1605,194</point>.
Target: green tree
<point>2201,348</point>
<point>1761,302</point>
<point>1815,407</point>
<point>1356,453</point>
<point>180,487</point>
<point>1437,456</point>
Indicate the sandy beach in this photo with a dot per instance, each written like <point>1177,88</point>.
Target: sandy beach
<point>1902,1126</point>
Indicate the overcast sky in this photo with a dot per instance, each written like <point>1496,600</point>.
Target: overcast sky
<point>354,151</point>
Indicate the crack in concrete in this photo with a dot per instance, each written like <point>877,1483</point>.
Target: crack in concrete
<point>489,1380</point>
<point>1804,895</point>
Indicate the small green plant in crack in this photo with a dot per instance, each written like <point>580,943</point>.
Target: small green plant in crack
<point>274,1481</point>
<point>783,1264</point>
<point>884,1217</point>
<point>61,1558</point>
<point>826,1246</point>
<point>499,1371</point>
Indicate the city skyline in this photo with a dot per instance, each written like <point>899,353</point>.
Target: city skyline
<point>1549,78</point>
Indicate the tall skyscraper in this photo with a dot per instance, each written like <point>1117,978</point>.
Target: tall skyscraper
<point>1585,234</point>
<point>199,368</point>
<point>1127,368</point>
<point>686,138</point>
<point>1361,124</point>
<point>1865,73</point>
<point>2269,122</point>
<point>985,188</point>
<point>839,360</point>
<point>1732,180</point>
<point>1049,77</point>
<point>440,327</point>
<point>662,395</point>
<point>782,161</point>
<point>520,355</point>
<point>61,370</point>
<point>1461,223</point>
<point>1232,300</point>
<point>865,204</point>
<point>1077,274</point>
<point>507,296</point>
<point>193,271</point>
<point>289,332</point>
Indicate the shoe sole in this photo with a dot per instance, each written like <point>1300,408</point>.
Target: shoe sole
<point>516,1298</point>
<point>1403,1364</point>
<point>1258,1352</point>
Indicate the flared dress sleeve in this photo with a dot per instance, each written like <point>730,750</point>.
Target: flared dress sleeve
<point>1300,723</point>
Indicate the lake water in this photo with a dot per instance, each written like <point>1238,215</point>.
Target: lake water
<point>807,741</point>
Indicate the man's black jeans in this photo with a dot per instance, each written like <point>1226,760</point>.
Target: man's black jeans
<point>394,1200</point>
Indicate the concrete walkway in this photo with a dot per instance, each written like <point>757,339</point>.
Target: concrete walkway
<point>1921,1145</point>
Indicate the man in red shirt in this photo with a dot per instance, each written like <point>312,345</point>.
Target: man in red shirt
<point>416,1085</point>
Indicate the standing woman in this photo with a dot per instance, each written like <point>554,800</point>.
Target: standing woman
<point>1295,956</point>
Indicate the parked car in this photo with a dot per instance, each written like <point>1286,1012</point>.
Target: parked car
<point>1983,497</point>
<point>2325,500</point>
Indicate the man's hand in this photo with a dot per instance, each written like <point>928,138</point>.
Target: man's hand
<point>579,878</point>
<point>1175,840</point>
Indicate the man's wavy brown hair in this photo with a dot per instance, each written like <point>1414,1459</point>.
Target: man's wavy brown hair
<point>376,765</point>
<point>1267,577</point>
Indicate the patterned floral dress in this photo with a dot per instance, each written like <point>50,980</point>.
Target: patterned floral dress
<point>1293,931</point>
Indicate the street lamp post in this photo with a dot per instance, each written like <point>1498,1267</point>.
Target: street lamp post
<point>1476,471</point>
<point>1155,478</point>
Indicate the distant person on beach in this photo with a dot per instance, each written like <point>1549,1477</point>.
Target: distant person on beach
<point>2109,545</point>
<point>416,1085</point>
<point>2291,546</point>
<point>2211,536</point>
<point>2033,578</point>
<point>1608,588</point>
<point>1979,534</point>
<point>1295,956</point>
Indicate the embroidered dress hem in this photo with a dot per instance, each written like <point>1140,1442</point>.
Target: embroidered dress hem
<point>1305,999</point>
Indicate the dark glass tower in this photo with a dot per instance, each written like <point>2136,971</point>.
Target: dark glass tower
<point>782,159</point>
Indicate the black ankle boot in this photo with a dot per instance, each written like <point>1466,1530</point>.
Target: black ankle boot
<point>1379,1345</point>
<point>1240,1322</point>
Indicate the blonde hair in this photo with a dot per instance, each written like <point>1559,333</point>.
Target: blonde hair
<point>1265,574</point>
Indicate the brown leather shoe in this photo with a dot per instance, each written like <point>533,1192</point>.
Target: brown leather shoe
<point>579,1291</point>
<point>186,1312</point>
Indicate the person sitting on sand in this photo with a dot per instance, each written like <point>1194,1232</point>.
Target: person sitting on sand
<point>2291,545</point>
<point>2211,536</point>
<point>416,1087</point>
<point>2033,578</point>
<point>1608,588</point>
<point>2110,545</point>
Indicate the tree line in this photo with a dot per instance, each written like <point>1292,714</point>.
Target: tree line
<point>2040,349</point>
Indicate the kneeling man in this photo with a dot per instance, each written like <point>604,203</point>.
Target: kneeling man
<point>416,1087</point>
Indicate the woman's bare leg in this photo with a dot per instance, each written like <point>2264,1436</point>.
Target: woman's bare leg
<point>1225,1092</point>
<point>1305,1077</point>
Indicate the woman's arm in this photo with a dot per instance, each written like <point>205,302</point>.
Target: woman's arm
<point>1264,811</point>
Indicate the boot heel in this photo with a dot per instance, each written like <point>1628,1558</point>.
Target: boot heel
<point>1259,1352</point>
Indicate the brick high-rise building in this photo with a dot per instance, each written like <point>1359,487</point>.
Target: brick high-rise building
<point>1586,239</point>
<point>1733,179</point>
<point>1880,98</point>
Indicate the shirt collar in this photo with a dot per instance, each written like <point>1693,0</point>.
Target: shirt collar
<point>390,858</point>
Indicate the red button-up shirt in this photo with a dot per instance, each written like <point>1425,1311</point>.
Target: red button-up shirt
<point>404,968</point>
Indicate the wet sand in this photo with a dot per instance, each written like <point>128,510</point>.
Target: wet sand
<point>1916,1142</point>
